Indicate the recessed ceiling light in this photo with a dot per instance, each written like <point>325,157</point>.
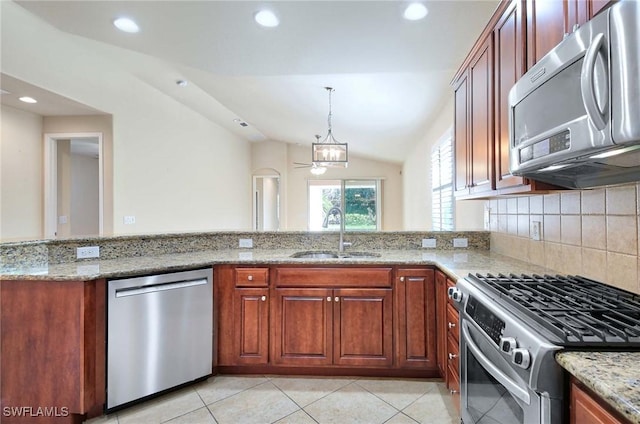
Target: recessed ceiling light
<point>126,25</point>
<point>3,92</point>
<point>267,18</point>
<point>182,83</point>
<point>415,11</point>
<point>28,99</point>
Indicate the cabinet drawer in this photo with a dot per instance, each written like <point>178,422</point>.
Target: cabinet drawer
<point>252,277</point>
<point>333,277</point>
<point>453,328</point>
<point>454,386</point>
<point>453,354</point>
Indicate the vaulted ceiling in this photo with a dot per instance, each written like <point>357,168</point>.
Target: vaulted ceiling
<point>391,76</point>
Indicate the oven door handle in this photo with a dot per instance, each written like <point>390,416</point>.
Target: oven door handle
<point>510,385</point>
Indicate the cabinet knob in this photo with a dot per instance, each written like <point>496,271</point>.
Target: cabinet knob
<point>263,298</point>
<point>452,356</point>
<point>328,298</point>
<point>250,278</point>
<point>402,279</point>
<point>452,325</point>
<point>453,392</point>
<point>337,299</point>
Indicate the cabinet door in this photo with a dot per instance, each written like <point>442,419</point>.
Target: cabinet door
<point>545,27</point>
<point>509,67</point>
<point>416,318</point>
<point>587,410</point>
<point>461,135</point>
<point>363,327</point>
<point>251,316</point>
<point>302,327</point>
<point>441,322</point>
<point>481,116</point>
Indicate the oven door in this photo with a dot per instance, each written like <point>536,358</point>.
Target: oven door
<point>491,390</point>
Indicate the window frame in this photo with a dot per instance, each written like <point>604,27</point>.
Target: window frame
<point>441,152</point>
<point>344,183</point>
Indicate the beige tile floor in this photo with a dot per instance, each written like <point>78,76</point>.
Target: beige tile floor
<point>295,400</point>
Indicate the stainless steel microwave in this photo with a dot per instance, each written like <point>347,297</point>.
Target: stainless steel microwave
<point>574,117</point>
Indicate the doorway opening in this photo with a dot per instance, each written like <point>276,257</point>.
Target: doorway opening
<point>73,185</point>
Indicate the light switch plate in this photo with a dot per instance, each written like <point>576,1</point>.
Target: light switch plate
<point>430,243</point>
<point>246,243</point>
<point>88,252</point>
<point>460,242</point>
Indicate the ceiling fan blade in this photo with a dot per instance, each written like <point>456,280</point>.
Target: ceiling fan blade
<point>302,165</point>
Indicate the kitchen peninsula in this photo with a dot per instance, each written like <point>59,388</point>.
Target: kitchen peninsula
<point>53,304</point>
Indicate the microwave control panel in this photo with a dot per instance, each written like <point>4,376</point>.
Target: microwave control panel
<point>555,143</point>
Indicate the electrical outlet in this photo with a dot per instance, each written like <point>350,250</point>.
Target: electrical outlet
<point>62,219</point>
<point>460,242</point>
<point>246,243</point>
<point>431,243</point>
<point>536,230</point>
<point>129,219</point>
<point>88,252</point>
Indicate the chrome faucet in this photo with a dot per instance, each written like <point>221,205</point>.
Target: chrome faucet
<point>325,224</point>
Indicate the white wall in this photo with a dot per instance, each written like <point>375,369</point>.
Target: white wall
<point>358,168</point>
<point>416,172</point>
<point>21,175</point>
<point>173,169</point>
<point>84,195</point>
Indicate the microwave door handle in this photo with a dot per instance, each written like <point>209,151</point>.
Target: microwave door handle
<point>508,383</point>
<point>586,83</point>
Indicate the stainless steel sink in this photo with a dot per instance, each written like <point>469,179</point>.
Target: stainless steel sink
<point>334,255</point>
<point>315,255</point>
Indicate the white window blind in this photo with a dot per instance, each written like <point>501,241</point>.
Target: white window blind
<point>442,185</point>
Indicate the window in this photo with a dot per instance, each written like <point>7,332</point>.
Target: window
<point>442,185</point>
<point>360,198</point>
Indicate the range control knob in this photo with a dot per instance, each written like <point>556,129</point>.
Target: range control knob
<point>455,294</point>
<point>508,344</point>
<point>521,357</point>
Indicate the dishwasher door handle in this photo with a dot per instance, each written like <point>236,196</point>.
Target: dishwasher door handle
<point>133,291</point>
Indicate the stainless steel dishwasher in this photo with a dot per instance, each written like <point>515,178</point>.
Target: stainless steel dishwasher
<point>159,334</point>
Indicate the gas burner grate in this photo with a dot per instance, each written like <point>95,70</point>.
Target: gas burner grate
<point>577,310</point>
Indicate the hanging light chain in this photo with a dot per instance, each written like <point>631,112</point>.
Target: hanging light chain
<point>329,89</point>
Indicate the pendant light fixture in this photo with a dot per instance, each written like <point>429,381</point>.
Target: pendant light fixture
<point>329,152</point>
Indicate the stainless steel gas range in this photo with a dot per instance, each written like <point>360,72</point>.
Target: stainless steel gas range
<point>512,326</point>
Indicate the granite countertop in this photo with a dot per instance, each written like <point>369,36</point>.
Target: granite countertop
<point>455,263</point>
<point>614,376</point>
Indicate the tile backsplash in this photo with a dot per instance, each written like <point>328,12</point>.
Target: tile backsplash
<point>593,233</point>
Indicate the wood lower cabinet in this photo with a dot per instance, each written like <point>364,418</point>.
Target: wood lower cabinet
<point>302,327</point>
<point>416,312</point>
<point>453,349</point>
<point>587,408</point>
<point>441,322</point>
<point>351,327</point>
<point>53,336</point>
<point>243,309</point>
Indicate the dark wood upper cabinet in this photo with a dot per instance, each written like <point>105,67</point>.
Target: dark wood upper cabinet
<point>473,135</point>
<point>461,134</point>
<point>545,27</point>
<point>518,34</point>
<point>509,66</point>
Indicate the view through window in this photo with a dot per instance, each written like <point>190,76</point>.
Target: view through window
<point>358,199</point>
